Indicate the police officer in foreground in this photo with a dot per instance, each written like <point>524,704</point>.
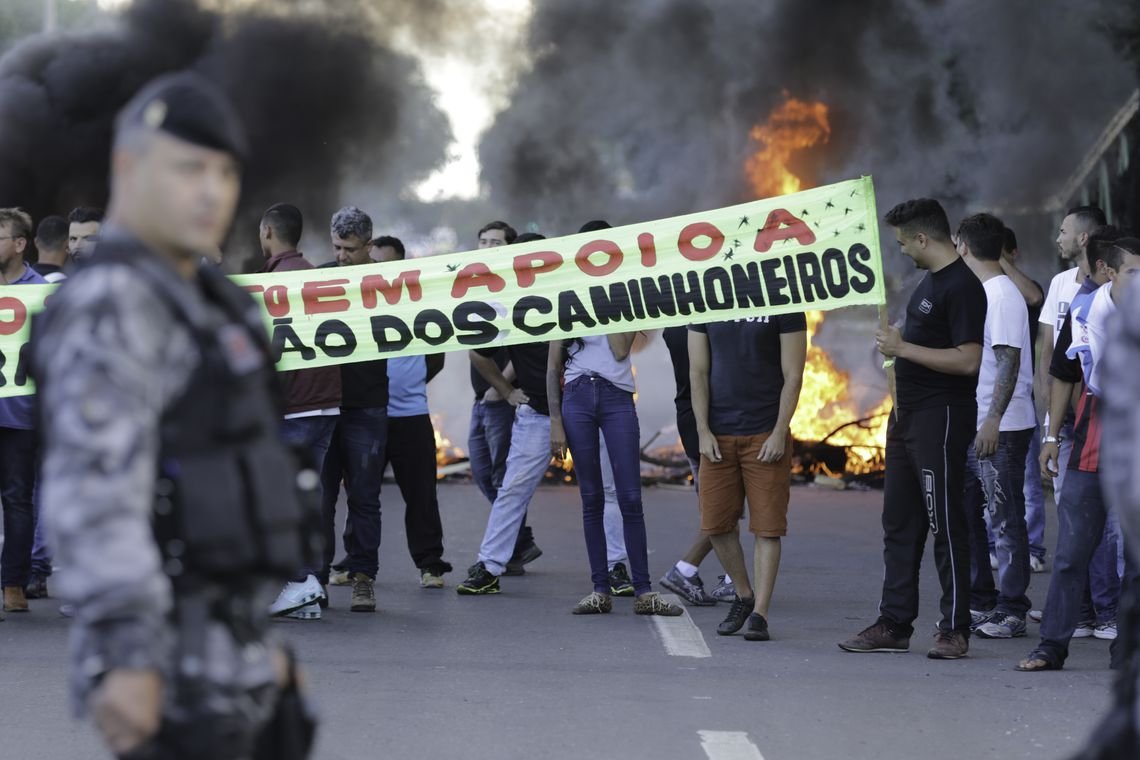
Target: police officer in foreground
<point>172,501</point>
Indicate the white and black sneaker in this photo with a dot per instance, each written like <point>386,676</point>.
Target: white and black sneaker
<point>297,595</point>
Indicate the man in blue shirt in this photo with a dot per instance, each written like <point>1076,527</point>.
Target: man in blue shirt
<point>17,439</point>
<point>411,449</point>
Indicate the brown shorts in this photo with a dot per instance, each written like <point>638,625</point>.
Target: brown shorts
<point>739,474</point>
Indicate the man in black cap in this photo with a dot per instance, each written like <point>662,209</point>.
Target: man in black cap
<point>175,507</point>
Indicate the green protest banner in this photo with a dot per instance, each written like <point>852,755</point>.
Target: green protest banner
<point>812,250</point>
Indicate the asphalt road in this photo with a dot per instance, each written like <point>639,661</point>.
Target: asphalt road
<point>435,675</point>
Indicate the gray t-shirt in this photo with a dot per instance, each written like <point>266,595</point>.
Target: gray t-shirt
<point>593,356</point>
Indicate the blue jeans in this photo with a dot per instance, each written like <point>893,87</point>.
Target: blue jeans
<point>356,455</point>
<point>17,485</point>
<point>1102,589</point>
<point>1035,497</point>
<point>592,405</point>
<point>1034,500</point>
<point>488,442</point>
<point>615,528</point>
<point>41,551</point>
<point>1000,482</point>
<point>1081,516</point>
<point>527,462</point>
<point>313,434</point>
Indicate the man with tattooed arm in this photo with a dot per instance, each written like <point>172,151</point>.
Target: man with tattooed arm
<point>995,473</point>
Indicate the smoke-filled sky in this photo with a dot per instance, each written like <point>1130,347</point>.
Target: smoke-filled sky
<point>643,109</point>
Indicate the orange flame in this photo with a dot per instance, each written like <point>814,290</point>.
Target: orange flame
<point>825,406</point>
<point>445,451</point>
<point>793,126</point>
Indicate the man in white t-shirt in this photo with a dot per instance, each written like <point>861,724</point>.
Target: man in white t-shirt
<point>995,476</point>
<point>1072,244</point>
<point>1072,238</point>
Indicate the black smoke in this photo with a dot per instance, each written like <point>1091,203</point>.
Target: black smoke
<point>324,98</point>
<point>639,110</point>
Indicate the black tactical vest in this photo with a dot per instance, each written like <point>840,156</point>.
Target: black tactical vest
<point>230,499</point>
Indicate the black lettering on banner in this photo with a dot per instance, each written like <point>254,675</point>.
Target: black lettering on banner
<point>3,361</point>
<point>811,277</point>
<point>24,363</point>
<point>773,283</point>
<point>690,296</point>
<point>634,291</point>
<point>718,289</point>
<point>748,286</point>
<point>381,324</point>
<point>856,256</point>
<point>475,323</point>
<point>658,297</point>
<point>283,333</point>
<point>338,328</point>
<point>835,273</point>
<point>571,310</point>
<point>429,317</point>
<point>528,304</point>
<point>613,306</point>
<point>793,283</point>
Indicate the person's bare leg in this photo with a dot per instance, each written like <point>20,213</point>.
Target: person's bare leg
<point>765,565</point>
<point>698,551</point>
<point>731,556</point>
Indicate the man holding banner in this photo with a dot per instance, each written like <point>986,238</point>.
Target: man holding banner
<point>938,358</point>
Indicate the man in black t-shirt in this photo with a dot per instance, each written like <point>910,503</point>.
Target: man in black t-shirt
<point>746,377</point>
<point>527,460</point>
<point>937,360</point>
<point>682,579</point>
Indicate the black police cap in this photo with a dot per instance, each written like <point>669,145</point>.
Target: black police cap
<point>189,107</point>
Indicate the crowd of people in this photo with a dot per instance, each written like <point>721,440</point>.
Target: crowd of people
<point>965,457</point>
<point>183,479</point>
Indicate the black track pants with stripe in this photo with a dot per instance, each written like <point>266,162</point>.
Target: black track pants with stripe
<point>925,479</point>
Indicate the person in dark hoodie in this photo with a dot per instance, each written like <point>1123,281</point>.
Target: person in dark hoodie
<point>312,405</point>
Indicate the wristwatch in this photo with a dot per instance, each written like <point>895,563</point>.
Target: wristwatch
<point>1051,439</point>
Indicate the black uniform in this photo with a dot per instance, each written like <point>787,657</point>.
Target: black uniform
<point>926,453</point>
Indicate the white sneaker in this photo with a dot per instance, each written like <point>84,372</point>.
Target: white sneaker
<point>339,578</point>
<point>1034,616</point>
<point>297,595</point>
<point>1106,631</point>
<point>308,612</point>
<point>993,561</point>
<point>1084,630</point>
<point>1036,564</point>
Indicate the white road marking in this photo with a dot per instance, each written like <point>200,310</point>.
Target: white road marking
<point>680,635</point>
<point>729,745</point>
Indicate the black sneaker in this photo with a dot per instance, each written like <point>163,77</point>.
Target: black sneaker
<point>620,584</point>
<point>479,582</point>
<point>524,555</point>
<point>737,616</point>
<point>757,628</point>
<point>37,588</point>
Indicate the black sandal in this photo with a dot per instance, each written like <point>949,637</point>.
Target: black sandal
<point>1028,665</point>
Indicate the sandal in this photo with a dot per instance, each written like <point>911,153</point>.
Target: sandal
<point>1038,660</point>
